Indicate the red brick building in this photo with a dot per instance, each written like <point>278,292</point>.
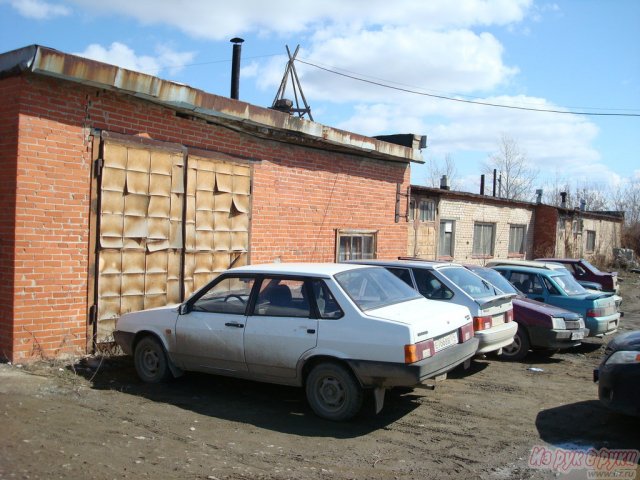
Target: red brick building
<point>123,191</point>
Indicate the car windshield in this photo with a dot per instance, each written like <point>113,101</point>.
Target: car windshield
<point>473,285</point>
<point>374,287</point>
<point>569,284</point>
<point>496,280</point>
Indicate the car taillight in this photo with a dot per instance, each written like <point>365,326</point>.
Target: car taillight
<point>418,351</point>
<point>465,332</point>
<point>508,316</point>
<point>596,312</point>
<point>482,323</point>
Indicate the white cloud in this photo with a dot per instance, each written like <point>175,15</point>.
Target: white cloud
<point>221,20</point>
<point>123,56</point>
<point>39,9</point>
<point>548,139</point>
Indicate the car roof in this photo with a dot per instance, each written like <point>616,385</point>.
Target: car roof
<point>527,263</point>
<point>568,260</point>
<point>417,263</point>
<point>523,268</point>
<point>301,269</point>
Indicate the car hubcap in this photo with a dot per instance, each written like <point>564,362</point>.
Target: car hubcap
<point>150,361</point>
<point>331,392</point>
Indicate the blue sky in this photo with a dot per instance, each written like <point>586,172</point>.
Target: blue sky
<point>564,55</point>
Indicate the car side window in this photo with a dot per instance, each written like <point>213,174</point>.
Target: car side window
<point>328,307</point>
<point>430,287</point>
<point>230,295</point>
<point>403,274</point>
<point>283,297</point>
<point>551,287</point>
<point>527,283</point>
<point>536,285</point>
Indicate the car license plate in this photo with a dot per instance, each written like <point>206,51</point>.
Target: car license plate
<point>497,320</point>
<point>577,335</point>
<point>446,341</point>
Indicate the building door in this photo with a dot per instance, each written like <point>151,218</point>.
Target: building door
<point>168,223</point>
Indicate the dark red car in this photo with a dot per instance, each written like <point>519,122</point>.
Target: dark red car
<point>582,270</point>
<point>541,326</point>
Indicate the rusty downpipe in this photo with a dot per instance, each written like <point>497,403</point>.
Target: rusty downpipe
<point>235,67</point>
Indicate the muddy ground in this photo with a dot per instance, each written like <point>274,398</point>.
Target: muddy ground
<point>95,419</point>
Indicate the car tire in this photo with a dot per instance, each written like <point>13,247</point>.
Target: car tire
<point>519,348</point>
<point>333,392</point>
<point>150,360</point>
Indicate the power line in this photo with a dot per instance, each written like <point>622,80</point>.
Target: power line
<point>461,100</point>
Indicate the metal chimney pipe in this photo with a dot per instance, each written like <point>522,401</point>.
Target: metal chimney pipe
<point>481,184</point>
<point>563,202</point>
<point>235,67</point>
<point>495,172</point>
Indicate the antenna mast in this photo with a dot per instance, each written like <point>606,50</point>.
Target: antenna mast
<point>284,104</point>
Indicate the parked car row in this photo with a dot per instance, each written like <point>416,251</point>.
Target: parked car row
<point>340,330</point>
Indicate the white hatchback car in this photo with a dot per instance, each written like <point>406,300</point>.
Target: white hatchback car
<point>334,329</point>
<point>492,310</point>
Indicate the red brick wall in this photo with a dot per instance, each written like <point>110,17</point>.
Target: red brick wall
<point>301,195</point>
<point>546,225</point>
<point>9,93</point>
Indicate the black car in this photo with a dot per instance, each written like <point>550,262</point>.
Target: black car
<point>618,376</point>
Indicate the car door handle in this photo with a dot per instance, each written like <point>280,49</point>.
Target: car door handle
<point>311,330</point>
<point>234,324</point>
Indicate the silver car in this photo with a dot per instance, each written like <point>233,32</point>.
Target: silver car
<point>491,309</point>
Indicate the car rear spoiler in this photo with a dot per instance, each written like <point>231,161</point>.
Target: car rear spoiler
<point>595,296</point>
<point>495,300</point>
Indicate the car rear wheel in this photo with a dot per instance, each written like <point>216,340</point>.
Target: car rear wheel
<point>333,392</point>
<point>151,361</point>
<point>519,348</point>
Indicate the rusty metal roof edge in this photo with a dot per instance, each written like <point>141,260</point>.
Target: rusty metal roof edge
<point>50,62</point>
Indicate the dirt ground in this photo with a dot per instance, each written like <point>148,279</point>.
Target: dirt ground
<point>94,419</point>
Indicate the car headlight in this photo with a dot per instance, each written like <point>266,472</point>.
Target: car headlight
<point>558,323</point>
<point>624,356</point>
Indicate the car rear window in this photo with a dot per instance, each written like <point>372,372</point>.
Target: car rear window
<point>473,285</point>
<point>374,287</point>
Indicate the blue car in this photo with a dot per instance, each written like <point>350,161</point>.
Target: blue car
<point>559,288</point>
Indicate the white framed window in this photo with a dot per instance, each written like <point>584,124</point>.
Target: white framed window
<point>427,210</point>
<point>355,245</point>
<point>484,235</point>
<point>412,209</point>
<point>516,238</point>
<point>446,238</point>
<point>591,240</point>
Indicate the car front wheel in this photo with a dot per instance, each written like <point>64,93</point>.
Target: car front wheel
<point>151,361</point>
<point>333,392</point>
<point>519,348</point>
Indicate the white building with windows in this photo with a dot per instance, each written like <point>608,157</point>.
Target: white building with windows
<point>472,228</point>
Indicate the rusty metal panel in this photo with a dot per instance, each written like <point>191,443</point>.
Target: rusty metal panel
<point>144,259</point>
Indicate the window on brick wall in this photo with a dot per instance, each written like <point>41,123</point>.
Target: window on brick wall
<point>446,238</point>
<point>516,239</point>
<point>591,240</point>
<point>427,210</point>
<point>483,239</point>
<point>355,245</point>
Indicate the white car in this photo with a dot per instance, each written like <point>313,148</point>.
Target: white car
<point>334,329</point>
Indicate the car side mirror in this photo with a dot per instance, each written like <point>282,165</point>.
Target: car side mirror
<point>184,309</point>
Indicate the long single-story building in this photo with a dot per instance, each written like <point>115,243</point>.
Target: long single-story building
<point>123,191</point>
<point>472,228</point>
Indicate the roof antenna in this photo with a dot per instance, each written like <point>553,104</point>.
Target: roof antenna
<point>284,104</point>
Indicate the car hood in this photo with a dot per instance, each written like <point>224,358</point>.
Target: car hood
<point>625,341</point>
<point>544,308</point>
<point>436,317</point>
<point>159,317</point>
